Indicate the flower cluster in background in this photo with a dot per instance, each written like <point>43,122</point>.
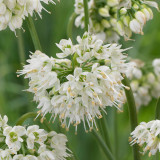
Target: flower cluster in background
<point>80,89</point>
<point>12,12</point>
<point>110,19</point>
<point>31,143</point>
<point>147,136</point>
<point>145,82</point>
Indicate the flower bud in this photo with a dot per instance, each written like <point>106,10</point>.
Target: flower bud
<point>15,23</point>
<point>10,4</point>
<point>105,23</point>
<point>140,17</point>
<point>113,22</point>
<point>7,16</point>
<point>120,28</point>
<point>97,27</point>
<point>2,8</point>
<point>123,11</point>
<point>126,20</point>
<point>136,26</point>
<point>151,13</point>
<point>112,3</point>
<point>135,6</point>
<point>104,12</point>
<point>151,78</point>
<point>146,13</point>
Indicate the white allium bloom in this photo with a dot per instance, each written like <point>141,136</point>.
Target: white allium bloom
<point>35,135</point>
<point>13,12</point>
<point>14,137</point>
<point>156,65</point>
<point>147,135</point>
<point>127,16</point>
<point>77,91</point>
<point>145,84</point>
<point>39,144</point>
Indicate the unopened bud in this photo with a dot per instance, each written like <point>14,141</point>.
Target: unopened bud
<point>105,23</point>
<point>104,12</point>
<point>126,20</point>
<point>136,26</point>
<point>146,13</point>
<point>120,28</point>
<point>135,6</point>
<point>123,11</point>
<point>112,3</point>
<point>140,16</point>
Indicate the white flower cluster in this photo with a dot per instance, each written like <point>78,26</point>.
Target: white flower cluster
<point>133,17</point>
<point>147,135</point>
<point>110,19</point>
<point>80,89</point>
<point>12,12</point>
<point>145,82</point>
<point>19,143</point>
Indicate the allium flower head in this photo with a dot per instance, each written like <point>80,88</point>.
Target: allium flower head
<point>78,90</point>
<point>145,83</point>
<point>109,19</point>
<point>147,136</point>
<point>34,143</point>
<point>13,12</point>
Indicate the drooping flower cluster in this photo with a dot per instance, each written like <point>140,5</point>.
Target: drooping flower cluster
<point>110,19</point>
<point>147,135</point>
<point>13,12</point>
<point>32,143</point>
<point>145,82</point>
<point>80,89</point>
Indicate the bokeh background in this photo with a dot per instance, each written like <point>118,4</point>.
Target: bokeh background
<point>14,102</point>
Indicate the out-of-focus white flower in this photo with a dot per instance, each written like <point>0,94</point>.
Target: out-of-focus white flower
<point>14,12</point>
<point>35,135</point>
<point>39,144</point>
<point>156,65</point>
<point>147,135</point>
<point>14,137</point>
<point>136,26</point>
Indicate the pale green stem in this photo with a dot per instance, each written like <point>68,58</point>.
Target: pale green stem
<point>103,145</point>
<point>86,12</point>
<point>157,116</point>
<point>21,47</point>
<point>70,26</point>
<point>28,115</point>
<point>132,114</point>
<point>115,134</point>
<point>34,34</point>
<point>105,132</point>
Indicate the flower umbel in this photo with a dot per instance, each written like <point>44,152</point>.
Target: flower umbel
<point>80,89</point>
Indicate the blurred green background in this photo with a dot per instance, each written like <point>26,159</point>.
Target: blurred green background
<point>51,29</point>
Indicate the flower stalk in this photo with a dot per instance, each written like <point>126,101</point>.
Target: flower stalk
<point>103,145</point>
<point>86,12</point>
<point>132,114</point>
<point>34,34</point>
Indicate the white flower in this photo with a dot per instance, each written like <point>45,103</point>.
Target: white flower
<point>5,154</point>
<point>77,91</point>
<point>3,122</point>
<point>35,135</point>
<point>140,16</point>
<point>147,135</point>
<point>156,65</point>
<point>14,12</point>
<point>14,136</point>
<point>136,26</point>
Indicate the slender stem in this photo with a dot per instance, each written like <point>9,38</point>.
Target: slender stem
<point>157,113</point>
<point>115,134</point>
<point>34,34</point>
<point>28,115</point>
<point>157,116</point>
<point>104,130</point>
<point>70,25</point>
<point>86,12</point>
<point>132,113</point>
<point>103,145</point>
<point>21,47</point>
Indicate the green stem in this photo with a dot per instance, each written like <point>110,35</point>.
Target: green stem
<point>21,47</point>
<point>132,114</point>
<point>115,134</point>
<point>70,25</point>
<point>103,145</point>
<point>28,115</point>
<point>157,116</point>
<point>86,12</point>
<point>104,130</point>
<point>34,34</point>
